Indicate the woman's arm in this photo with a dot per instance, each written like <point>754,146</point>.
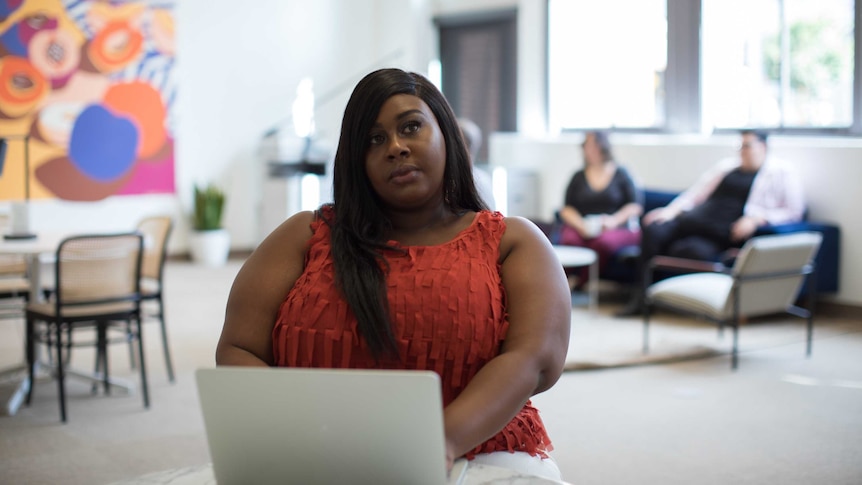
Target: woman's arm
<point>633,206</point>
<point>258,290</point>
<point>532,356</point>
<point>572,218</point>
<point>621,217</point>
<point>569,214</point>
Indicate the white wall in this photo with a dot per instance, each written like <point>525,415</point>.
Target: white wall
<point>830,169</point>
<point>239,65</point>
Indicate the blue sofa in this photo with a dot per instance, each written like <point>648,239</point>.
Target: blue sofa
<point>623,268</point>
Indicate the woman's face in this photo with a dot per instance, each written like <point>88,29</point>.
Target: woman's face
<point>406,156</point>
<point>592,153</point>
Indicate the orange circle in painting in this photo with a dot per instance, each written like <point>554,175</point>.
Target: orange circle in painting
<point>55,53</point>
<point>143,104</point>
<point>115,46</point>
<point>22,86</point>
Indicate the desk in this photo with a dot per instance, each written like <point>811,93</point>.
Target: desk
<point>203,475</point>
<point>578,257</point>
<point>32,250</point>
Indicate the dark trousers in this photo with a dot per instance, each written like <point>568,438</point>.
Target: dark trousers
<point>686,236</point>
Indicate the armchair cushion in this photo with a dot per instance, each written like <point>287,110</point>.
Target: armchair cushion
<point>704,293</point>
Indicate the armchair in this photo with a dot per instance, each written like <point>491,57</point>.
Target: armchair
<point>766,277</point>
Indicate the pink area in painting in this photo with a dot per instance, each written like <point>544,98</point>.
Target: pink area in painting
<point>153,176</point>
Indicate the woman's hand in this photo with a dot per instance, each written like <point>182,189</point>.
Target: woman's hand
<point>744,228</point>
<point>450,457</point>
<point>659,215</point>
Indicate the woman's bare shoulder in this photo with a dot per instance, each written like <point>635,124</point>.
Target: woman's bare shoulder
<point>290,238</point>
<point>296,227</point>
<point>521,231</point>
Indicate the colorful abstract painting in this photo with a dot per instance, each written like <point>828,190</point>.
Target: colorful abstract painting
<point>87,88</point>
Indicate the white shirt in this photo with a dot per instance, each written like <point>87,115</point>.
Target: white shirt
<point>776,194</point>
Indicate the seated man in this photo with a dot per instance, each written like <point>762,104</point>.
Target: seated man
<point>722,210</point>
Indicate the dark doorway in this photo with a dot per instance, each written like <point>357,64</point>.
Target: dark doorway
<point>478,58</point>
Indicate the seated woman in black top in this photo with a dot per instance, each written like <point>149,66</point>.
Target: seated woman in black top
<point>601,200</point>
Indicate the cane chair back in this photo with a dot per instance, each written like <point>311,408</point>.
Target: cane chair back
<point>156,231</point>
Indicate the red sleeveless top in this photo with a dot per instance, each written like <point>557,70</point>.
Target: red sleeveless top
<point>448,312</point>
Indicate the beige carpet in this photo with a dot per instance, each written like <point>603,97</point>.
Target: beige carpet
<point>649,416</point>
<point>601,341</point>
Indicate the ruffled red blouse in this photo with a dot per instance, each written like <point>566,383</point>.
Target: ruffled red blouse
<point>448,312</point>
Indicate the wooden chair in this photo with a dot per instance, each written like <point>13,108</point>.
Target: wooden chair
<point>156,231</point>
<point>766,278</point>
<point>97,281</point>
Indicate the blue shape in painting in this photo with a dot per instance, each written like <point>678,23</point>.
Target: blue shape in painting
<point>103,145</point>
<point>11,41</point>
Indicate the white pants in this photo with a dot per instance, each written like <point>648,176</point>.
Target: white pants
<point>522,462</point>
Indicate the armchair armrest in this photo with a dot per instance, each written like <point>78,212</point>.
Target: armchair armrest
<point>683,265</point>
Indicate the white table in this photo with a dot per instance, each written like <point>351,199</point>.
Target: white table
<point>578,257</point>
<point>44,245</point>
<point>32,250</point>
<point>203,475</point>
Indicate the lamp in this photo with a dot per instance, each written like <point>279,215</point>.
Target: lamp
<point>20,214</point>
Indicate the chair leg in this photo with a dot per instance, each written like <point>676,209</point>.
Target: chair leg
<point>647,314</point>
<point>69,346</point>
<point>31,358</point>
<point>102,346</point>
<point>97,369</point>
<point>735,353</point>
<point>61,385</point>
<point>131,340</point>
<point>144,388</point>
<point>168,364</point>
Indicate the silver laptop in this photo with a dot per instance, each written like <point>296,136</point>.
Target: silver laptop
<point>322,426</point>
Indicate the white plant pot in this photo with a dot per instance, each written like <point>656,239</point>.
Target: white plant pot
<point>210,248</point>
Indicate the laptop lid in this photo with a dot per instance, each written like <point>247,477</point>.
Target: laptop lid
<point>289,425</point>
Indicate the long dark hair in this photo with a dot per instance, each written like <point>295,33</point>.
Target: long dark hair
<point>604,144</point>
<point>360,226</point>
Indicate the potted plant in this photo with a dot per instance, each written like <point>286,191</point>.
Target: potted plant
<point>209,243</point>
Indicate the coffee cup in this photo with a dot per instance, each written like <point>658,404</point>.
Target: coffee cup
<point>593,223</point>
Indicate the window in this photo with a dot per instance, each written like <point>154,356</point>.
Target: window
<point>704,65</point>
<point>778,63</point>
<point>606,69</point>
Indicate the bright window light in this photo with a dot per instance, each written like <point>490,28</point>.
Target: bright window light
<point>310,192</point>
<point>606,63</point>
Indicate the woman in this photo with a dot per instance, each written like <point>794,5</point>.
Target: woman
<point>600,201</point>
<point>407,270</point>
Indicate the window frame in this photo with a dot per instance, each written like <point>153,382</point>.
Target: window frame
<point>683,78</point>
